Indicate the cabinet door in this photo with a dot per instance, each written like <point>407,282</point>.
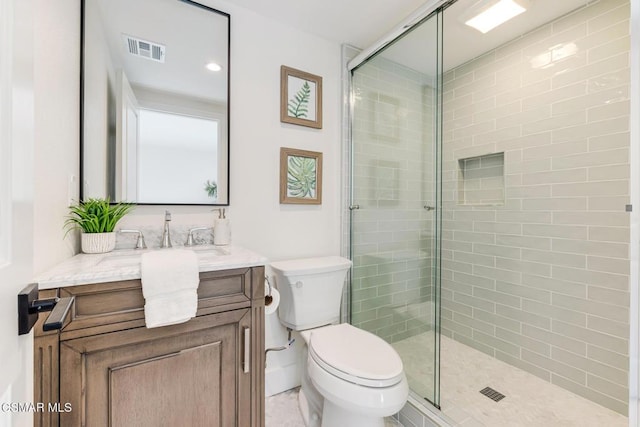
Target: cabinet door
<point>180,375</point>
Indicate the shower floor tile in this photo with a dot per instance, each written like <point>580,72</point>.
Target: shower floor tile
<point>529,401</point>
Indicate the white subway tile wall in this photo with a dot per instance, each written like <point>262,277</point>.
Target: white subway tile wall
<point>542,281</point>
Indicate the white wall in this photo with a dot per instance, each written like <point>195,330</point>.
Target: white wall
<point>259,47</point>
<point>56,86</point>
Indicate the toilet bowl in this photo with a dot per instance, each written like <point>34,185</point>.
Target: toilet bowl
<point>359,375</point>
<point>350,377</point>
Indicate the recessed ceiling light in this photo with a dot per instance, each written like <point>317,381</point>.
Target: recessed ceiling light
<point>212,66</point>
<point>498,12</point>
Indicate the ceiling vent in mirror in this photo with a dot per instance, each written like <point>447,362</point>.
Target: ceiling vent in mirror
<point>144,48</point>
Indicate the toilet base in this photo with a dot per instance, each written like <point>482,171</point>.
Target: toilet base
<point>334,416</point>
<point>309,416</point>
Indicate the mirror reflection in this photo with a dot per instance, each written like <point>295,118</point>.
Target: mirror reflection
<point>155,102</point>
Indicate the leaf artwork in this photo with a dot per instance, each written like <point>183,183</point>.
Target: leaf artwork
<point>301,177</point>
<point>299,104</point>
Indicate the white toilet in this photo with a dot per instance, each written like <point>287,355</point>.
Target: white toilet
<point>352,377</point>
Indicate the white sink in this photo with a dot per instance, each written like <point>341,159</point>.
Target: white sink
<point>115,259</point>
<point>129,258</point>
<point>210,253</point>
<point>209,250</point>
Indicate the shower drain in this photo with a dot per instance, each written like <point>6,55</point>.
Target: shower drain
<point>492,394</point>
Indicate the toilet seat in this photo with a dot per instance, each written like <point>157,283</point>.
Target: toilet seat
<point>356,356</point>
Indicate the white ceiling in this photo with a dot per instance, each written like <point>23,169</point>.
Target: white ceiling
<point>356,22</point>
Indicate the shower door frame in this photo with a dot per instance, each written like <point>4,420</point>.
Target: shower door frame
<point>420,16</point>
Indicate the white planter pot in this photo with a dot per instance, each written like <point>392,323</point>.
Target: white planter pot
<point>98,243</point>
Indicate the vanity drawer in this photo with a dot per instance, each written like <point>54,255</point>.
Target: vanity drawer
<point>113,306</point>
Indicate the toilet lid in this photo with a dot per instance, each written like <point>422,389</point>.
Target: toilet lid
<point>356,356</point>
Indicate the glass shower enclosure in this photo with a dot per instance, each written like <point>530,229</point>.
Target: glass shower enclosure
<point>489,182</point>
<point>396,193</point>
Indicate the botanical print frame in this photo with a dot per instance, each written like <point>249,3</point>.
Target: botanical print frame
<point>300,176</point>
<point>300,98</point>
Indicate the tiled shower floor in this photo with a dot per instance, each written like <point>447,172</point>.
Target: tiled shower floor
<point>529,401</point>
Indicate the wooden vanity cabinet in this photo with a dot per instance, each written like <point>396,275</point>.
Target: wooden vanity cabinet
<point>113,371</point>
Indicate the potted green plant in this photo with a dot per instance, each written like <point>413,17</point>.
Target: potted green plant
<point>96,218</point>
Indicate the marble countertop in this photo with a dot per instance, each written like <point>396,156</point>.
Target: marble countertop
<point>124,264</point>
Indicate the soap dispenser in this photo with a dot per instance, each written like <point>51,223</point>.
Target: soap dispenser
<point>221,229</point>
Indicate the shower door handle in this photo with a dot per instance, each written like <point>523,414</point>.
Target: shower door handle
<point>429,208</point>
<point>354,207</point>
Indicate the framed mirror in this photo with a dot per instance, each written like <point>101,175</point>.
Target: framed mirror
<point>154,102</point>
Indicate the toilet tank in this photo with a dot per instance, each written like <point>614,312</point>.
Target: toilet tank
<point>310,290</point>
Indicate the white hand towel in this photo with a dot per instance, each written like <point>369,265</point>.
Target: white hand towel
<point>168,270</point>
<point>169,284</point>
<point>170,309</point>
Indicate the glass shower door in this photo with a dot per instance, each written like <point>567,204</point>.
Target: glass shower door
<point>395,196</point>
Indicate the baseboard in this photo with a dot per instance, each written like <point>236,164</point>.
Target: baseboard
<point>281,378</point>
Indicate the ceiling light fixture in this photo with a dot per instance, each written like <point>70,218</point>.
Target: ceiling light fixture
<point>498,12</point>
<point>212,66</point>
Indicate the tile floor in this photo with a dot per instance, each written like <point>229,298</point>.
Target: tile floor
<point>464,372</point>
<point>281,410</point>
<point>529,401</point>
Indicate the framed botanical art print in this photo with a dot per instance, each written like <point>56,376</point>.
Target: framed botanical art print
<point>300,98</point>
<point>300,177</point>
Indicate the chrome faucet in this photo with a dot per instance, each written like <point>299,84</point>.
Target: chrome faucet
<point>140,244</point>
<point>190,240</point>
<point>166,234</point>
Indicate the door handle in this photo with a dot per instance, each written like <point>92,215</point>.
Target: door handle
<point>58,314</point>
<point>29,307</point>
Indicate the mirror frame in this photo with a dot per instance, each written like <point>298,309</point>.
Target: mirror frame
<point>82,124</point>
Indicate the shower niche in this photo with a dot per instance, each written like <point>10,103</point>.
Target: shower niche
<point>481,180</point>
